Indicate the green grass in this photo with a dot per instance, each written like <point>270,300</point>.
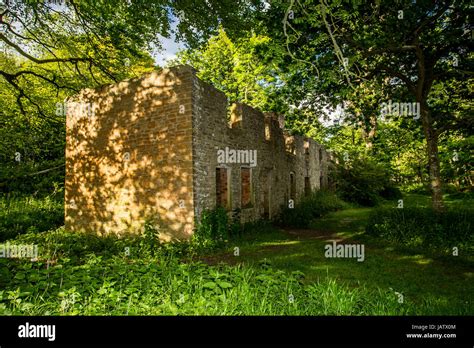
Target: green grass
<point>20,214</point>
<point>313,206</point>
<point>93,276</point>
<point>449,231</point>
<point>450,200</point>
<point>444,281</point>
<point>277,272</point>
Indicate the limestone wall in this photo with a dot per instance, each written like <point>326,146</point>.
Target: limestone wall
<point>132,159</point>
<point>150,151</point>
<point>279,155</point>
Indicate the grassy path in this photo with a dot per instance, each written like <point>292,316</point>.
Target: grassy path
<point>445,282</point>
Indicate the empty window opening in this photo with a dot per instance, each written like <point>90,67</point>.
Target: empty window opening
<point>267,131</point>
<point>292,186</point>
<point>290,145</point>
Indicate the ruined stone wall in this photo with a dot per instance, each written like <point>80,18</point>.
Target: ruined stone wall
<point>279,156</point>
<point>132,159</point>
<point>150,151</point>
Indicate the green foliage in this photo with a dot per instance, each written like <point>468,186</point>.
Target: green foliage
<point>416,188</point>
<point>240,68</point>
<point>55,51</point>
<point>347,53</point>
<point>20,214</point>
<point>32,142</point>
<point>213,229</point>
<point>417,226</point>
<point>456,160</point>
<point>400,147</point>
<point>315,205</point>
<point>150,237</point>
<point>236,228</point>
<point>364,182</point>
<point>93,276</point>
<point>86,274</point>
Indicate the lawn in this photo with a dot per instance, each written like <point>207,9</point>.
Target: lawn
<point>267,271</point>
<point>445,282</point>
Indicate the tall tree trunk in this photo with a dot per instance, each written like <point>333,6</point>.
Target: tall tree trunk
<point>433,158</point>
<point>370,132</point>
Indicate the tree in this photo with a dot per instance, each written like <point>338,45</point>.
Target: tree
<point>247,69</point>
<point>241,68</point>
<point>50,50</point>
<point>334,46</point>
<point>99,40</point>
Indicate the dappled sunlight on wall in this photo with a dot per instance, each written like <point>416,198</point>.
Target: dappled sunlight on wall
<point>132,159</point>
<point>149,151</point>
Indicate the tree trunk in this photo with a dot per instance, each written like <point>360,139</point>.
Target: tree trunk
<point>368,133</point>
<point>433,158</point>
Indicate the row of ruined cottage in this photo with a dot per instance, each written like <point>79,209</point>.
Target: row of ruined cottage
<point>166,146</point>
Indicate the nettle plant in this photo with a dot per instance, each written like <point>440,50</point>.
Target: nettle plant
<point>213,228</point>
<point>150,238</point>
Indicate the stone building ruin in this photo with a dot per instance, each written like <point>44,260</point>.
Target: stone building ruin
<point>167,145</point>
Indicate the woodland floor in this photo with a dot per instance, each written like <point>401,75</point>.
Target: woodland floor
<point>444,279</point>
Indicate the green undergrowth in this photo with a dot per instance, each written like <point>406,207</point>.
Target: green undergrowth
<point>21,214</point>
<point>85,275</point>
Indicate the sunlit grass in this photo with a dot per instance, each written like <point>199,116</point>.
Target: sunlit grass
<point>419,276</point>
<point>93,276</point>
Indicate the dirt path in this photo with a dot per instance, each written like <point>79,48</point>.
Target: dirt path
<point>309,234</point>
<point>229,258</point>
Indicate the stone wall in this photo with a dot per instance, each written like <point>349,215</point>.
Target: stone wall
<point>132,159</point>
<point>280,156</point>
<point>150,151</point>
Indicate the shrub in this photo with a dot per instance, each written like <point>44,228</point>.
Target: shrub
<point>417,188</point>
<point>18,179</point>
<point>315,205</point>
<point>364,182</point>
<point>463,196</point>
<point>213,229</point>
<point>259,226</point>
<point>150,237</point>
<point>390,192</point>
<point>415,226</point>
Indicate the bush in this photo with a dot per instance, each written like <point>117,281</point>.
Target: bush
<point>463,196</point>
<point>311,207</point>
<point>213,229</point>
<point>18,178</point>
<point>415,226</point>
<point>390,192</point>
<point>416,189</point>
<point>364,182</point>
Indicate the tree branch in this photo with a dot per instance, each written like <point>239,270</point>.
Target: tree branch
<point>41,61</point>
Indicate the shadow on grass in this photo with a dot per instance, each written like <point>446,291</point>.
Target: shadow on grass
<point>445,281</point>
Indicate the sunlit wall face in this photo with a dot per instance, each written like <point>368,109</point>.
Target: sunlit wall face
<point>130,159</point>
